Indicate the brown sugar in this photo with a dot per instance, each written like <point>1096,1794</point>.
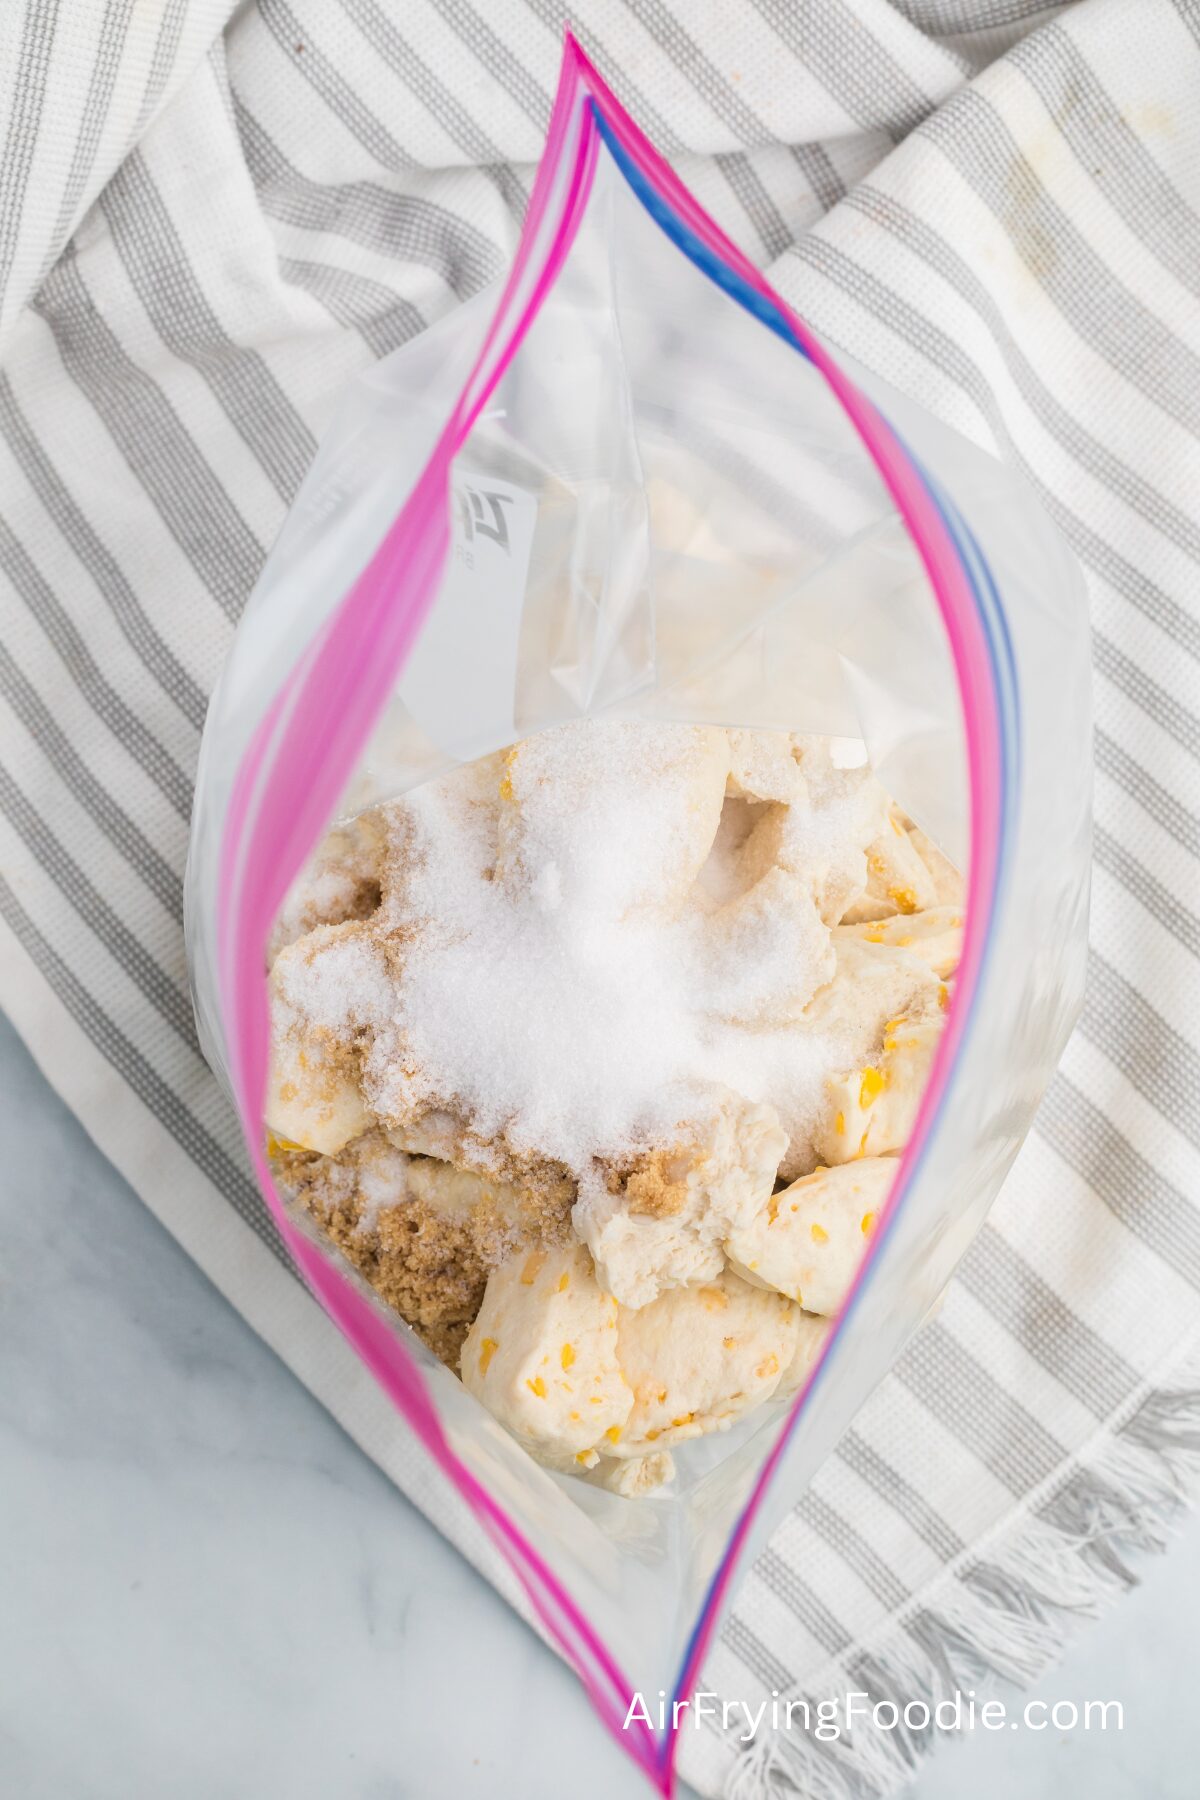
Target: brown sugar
<point>652,1185</point>
<point>423,1234</point>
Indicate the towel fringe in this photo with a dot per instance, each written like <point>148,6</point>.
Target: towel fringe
<point>1003,1614</point>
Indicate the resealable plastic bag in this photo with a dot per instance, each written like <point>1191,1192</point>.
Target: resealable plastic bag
<point>629,482</point>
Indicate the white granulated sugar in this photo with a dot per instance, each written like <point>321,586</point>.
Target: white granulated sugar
<point>335,979</point>
<point>557,1036</point>
<point>608,818</point>
<point>325,892</point>
<point>382,1181</point>
<point>759,959</point>
<point>569,972</point>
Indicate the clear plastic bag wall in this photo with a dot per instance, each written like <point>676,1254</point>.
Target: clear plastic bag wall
<point>628,482</point>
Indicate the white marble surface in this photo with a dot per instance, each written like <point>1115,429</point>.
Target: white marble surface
<point>208,1593</point>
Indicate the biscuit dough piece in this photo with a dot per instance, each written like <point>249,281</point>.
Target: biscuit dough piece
<point>542,1357</point>
<point>821,833</point>
<point>438,1133</point>
<point>948,883</point>
<point>934,935</point>
<point>340,881</point>
<point>763,765</point>
<point>544,1185</point>
<point>808,1241</point>
<point>637,1476</point>
<point>325,994</point>
<point>872,983</point>
<point>502,1211</point>
<point>765,953</point>
<point>449,822</point>
<point>609,817</point>
<point>897,879</point>
<point>700,1357</point>
<point>658,1219</point>
<point>870,1111</point>
<point>811,1333</point>
<point>313,1097</point>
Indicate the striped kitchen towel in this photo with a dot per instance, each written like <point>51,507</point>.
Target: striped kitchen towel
<point>209,219</point>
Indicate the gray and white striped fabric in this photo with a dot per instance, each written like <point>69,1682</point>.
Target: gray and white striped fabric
<point>208,222</point>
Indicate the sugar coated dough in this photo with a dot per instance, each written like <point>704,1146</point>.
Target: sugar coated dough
<point>659,1221</point>
<point>596,1056</point>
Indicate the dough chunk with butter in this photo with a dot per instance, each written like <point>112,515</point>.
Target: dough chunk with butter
<point>542,1357</point>
<point>700,1357</point>
<point>871,1110</point>
<point>934,935</point>
<point>808,1241</point>
<point>898,881</point>
<point>324,997</point>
